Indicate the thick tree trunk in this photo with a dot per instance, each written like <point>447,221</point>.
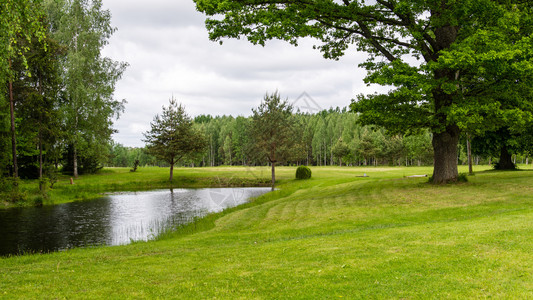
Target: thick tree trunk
<point>445,155</point>
<point>13,133</point>
<point>445,136</point>
<point>506,162</point>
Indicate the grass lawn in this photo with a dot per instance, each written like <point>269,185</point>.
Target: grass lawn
<point>333,236</point>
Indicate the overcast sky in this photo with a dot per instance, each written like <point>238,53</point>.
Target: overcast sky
<point>167,46</point>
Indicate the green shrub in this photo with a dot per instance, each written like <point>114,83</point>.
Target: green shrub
<point>303,172</point>
<point>10,191</point>
<point>462,177</point>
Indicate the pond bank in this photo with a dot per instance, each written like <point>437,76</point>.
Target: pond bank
<point>121,179</point>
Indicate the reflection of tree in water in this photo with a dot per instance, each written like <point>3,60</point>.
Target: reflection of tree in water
<point>82,223</point>
<point>49,228</point>
<point>112,220</point>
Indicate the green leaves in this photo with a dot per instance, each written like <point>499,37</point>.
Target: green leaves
<point>83,27</point>
<point>272,128</point>
<point>172,135</point>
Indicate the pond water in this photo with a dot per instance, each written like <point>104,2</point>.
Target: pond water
<point>115,219</point>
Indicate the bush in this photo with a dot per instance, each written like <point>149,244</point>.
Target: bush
<point>303,172</point>
<point>462,177</point>
<point>135,165</point>
<point>9,190</point>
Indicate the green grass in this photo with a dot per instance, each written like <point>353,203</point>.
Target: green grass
<point>333,236</point>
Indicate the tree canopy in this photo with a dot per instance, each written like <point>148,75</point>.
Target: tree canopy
<point>84,28</point>
<point>272,130</point>
<point>172,135</point>
<point>56,91</point>
<point>413,46</point>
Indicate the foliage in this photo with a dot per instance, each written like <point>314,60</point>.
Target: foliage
<point>135,165</point>
<point>62,86</point>
<point>272,131</point>
<point>498,165</point>
<point>370,145</point>
<point>303,172</point>
<point>36,90</point>
<point>20,20</point>
<point>10,190</point>
<point>463,177</point>
<point>172,136</point>
<point>430,53</point>
<point>88,108</point>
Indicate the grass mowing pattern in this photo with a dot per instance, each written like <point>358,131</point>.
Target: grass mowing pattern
<point>335,235</point>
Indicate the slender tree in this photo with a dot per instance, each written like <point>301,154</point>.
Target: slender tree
<point>172,136</point>
<point>84,28</point>
<point>18,18</point>
<point>272,130</point>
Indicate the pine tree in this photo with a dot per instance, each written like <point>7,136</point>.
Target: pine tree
<point>172,136</point>
<point>272,130</point>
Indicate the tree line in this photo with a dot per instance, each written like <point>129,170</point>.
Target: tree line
<point>332,137</point>
<point>56,97</point>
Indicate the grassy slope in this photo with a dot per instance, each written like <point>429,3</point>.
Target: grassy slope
<point>334,236</point>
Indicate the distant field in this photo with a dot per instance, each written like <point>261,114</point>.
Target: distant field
<point>336,235</point>
<point>146,178</point>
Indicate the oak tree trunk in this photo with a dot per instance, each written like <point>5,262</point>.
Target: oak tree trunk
<point>445,135</point>
<point>506,162</point>
<point>445,155</point>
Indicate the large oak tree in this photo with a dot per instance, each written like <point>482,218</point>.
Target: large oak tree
<point>405,41</point>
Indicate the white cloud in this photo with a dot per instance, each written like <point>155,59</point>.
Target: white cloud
<point>167,46</point>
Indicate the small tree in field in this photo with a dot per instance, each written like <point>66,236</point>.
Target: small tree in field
<point>273,130</point>
<point>172,136</point>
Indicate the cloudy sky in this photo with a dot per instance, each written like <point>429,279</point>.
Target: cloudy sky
<point>166,44</point>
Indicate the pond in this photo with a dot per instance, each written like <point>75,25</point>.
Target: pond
<point>115,219</point>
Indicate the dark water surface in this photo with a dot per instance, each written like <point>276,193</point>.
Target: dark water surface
<point>115,219</point>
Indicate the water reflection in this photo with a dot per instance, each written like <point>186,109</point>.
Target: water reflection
<point>112,220</point>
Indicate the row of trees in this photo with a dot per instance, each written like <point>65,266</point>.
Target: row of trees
<point>57,88</point>
<point>275,135</point>
<point>330,137</point>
